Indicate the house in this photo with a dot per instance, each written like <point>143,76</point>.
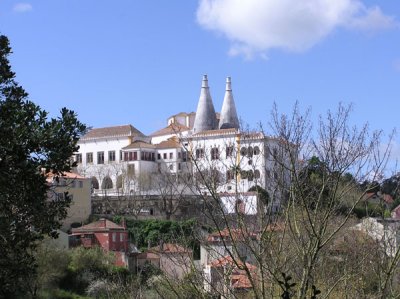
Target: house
<point>229,241</point>
<point>226,277</point>
<point>105,234</point>
<point>172,259</point>
<point>78,188</point>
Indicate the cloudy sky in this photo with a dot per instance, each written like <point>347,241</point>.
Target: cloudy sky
<point>138,62</point>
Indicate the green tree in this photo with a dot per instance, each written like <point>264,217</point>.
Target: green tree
<point>31,145</point>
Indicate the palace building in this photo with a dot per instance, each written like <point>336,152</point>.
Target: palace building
<point>209,147</point>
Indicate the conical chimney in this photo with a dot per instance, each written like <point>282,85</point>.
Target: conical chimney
<point>205,114</point>
<point>229,118</point>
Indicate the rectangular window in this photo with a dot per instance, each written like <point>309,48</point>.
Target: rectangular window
<point>130,156</point>
<point>229,151</point>
<point>158,156</point>
<point>179,166</point>
<point>111,156</point>
<point>89,157</point>
<point>153,156</point>
<point>179,155</point>
<point>165,155</point>
<point>126,156</point>
<point>114,237</point>
<point>100,157</point>
<point>78,158</point>
<point>135,156</point>
<point>171,155</point>
<point>120,155</point>
<point>121,237</point>
<point>214,154</point>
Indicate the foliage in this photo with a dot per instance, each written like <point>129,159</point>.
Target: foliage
<point>152,231</point>
<point>30,144</point>
<point>262,193</point>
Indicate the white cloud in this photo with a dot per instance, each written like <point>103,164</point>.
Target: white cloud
<point>22,7</point>
<point>255,26</point>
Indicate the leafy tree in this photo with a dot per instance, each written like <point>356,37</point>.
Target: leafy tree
<point>30,146</point>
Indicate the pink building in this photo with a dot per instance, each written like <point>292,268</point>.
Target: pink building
<point>106,234</point>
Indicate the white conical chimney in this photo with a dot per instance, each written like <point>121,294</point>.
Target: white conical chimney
<point>205,114</point>
<point>229,118</point>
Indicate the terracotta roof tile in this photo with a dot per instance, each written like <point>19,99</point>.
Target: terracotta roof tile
<point>100,225</point>
<point>170,143</point>
<point>237,235</point>
<point>116,131</point>
<point>174,128</point>
<point>138,144</point>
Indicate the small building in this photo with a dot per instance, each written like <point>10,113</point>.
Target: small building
<point>106,234</point>
<point>226,276</point>
<point>172,259</point>
<point>78,188</point>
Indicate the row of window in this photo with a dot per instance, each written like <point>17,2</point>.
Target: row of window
<point>129,156</point>
<point>229,151</point>
<point>244,174</point>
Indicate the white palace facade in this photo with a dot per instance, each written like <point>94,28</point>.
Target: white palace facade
<point>204,145</point>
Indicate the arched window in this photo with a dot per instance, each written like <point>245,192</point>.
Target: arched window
<point>250,152</point>
<point>107,183</point>
<point>256,150</point>
<point>243,174</point>
<point>243,151</point>
<point>250,175</point>
<point>257,174</point>
<point>95,183</point>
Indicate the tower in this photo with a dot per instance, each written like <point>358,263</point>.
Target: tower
<point>205,113</point>
<point>229,118</point>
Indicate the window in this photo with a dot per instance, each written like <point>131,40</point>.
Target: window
<point>135,156</point>
<point>165,156</point>
<point>100,157</point>
<point>179,155</point>
<point>243,151</point>
<point>89,157</point>
<point>179,166</point>
<point>275,152</point>
<point>250,175</point>
<point>111,156</point>
<point>230,175</point>
<point>158,156</point>
<point>257,174</point>
<point>121,237</point>
<point>120,155</point>
<point>256,150</point>
<point>199,153</point>
<point>171,167</point>
<point>78,158</point>
<point>171,155</point>
<point>214,153</point>
<point>114,237</point>
<point>243,174</point>
<point>229,151</point>
<point>250,152</point>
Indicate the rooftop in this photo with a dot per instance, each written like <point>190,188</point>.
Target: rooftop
<point>115,131</point>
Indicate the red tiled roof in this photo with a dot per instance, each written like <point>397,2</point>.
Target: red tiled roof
<point>228,260</point>
<point>100,225</point>
<point>138,144</point>
<point>170,143</point>
<point>388,198</point>
<point>174,128</point>
<point>169,248</point>
<point>116,131</point>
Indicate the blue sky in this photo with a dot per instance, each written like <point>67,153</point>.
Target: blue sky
<point>138,62</point>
